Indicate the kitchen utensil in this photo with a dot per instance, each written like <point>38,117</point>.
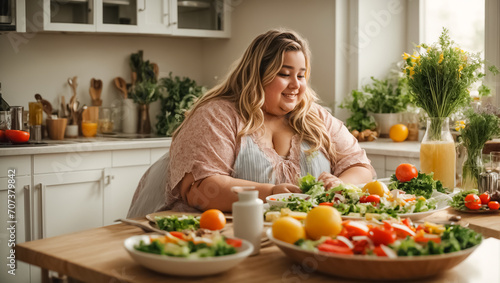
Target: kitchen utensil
<point>56,128</point>
<point>73,106</point>
<point>63,112</point>
<point>156,70</point>
<point>121,85</point>
<point>47,107</point>
<point>16,114</point>
<point>144,227</point>
<point>95,92</point>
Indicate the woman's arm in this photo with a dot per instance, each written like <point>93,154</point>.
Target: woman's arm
<point>215,191</point>
<point>354,175</point>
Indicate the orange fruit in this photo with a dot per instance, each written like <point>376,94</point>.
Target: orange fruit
<point>212,219</point>
<point>398,132</point>
<point>323,221</point>
<point>288,229</point>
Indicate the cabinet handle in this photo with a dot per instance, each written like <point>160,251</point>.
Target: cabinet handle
<point>140,10</point>
<point>42,211</point>
<point>27,214</point>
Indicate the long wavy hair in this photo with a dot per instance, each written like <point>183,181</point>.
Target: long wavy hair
<point>258,67</point>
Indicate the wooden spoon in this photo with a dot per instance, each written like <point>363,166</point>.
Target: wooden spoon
<point>121,85</point>
<point>47,107</point>
<point>156,70</point>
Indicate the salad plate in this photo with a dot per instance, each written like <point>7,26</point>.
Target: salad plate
<point>369,267</point>
<point>183,266</point>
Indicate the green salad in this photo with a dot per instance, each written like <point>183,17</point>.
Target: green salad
<point>175,223</point>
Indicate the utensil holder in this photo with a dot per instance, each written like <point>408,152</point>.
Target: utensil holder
<point>56,128</point>
<point>71,131</point>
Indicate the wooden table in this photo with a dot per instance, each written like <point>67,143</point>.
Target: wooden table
<point>98,255</point>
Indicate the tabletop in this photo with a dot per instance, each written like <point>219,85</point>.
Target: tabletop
<point>98,255</point>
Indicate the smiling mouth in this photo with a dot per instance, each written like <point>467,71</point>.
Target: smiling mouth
<point>290,96</point>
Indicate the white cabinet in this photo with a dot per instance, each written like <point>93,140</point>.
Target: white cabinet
<point>15,188</point>
<point>201,18</point>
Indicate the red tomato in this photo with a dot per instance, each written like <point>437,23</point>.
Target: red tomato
<point>16,136</point>
<point>381,236</point>
<point>355,228</point>
<point>472,201</point>
<point>234,242</point>
<point>360,246</point>
<point>485,198</point>
<point>334,249</point>
<point>176,234</point>
<point>405,172</point>
<point>379,251</point>
<point>3,138</point>
<point>326,203</point>
<point>370,198</point>
<point>494,205</point>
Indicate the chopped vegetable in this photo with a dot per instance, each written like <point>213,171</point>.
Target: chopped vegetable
<point>175,223</point>
<point>423,185</point>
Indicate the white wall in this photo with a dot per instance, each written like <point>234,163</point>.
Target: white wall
<point>45,62</point>
<point>314,20</point>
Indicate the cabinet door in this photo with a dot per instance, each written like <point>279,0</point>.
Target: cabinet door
<point>13,222</point>
<point>66,15</point>
<point>203,18</point>
<point>67,202</point>
<point>118,15</point>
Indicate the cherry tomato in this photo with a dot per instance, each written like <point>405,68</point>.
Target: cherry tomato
<point>472,201</point>
<point>355,228</point>
<point>381,236</point>
<point>326,203</point>
<point>494,205</point>
<point>16,136</point>
<point>405,172</point>
<point>176,234</point>
<point>485,198</point>
<point>360,246</point>
<point>379,251</point>
<point>234,242</point>
<point>370,198</point>
<point>334,249</point>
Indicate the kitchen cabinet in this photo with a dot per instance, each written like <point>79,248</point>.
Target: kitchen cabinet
<point>203,18</point>
<point>15,202</point>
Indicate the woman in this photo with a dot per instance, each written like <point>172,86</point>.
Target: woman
<point>261,127</point>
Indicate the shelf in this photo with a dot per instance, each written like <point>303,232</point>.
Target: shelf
<point>193,4</point>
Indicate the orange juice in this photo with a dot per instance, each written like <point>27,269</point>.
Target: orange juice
<point>439,157</point>
<point>89,129</point>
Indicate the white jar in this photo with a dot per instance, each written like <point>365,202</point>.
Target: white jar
<point>129,116</point>
<point>248,216</point>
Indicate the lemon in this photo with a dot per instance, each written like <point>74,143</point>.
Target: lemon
<point>323,221</point>
<point>288,229</point>
<point>398,132</point>
<point>376,188</point>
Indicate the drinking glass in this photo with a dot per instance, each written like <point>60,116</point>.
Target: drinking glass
<point>495,161</point>
<point>5,120</point>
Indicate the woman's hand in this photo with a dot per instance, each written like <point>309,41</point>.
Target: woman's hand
<point>329,180</point>
<point>285,188</point>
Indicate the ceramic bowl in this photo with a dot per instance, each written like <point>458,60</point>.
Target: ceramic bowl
<point>182,266</point>
<point>277,199</point>
<point>366,267</point>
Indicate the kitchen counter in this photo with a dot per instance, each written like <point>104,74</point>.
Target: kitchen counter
<point>388,147</point>
<point>86,144</point>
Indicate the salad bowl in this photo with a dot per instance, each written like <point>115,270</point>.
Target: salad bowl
<point>181,266</point>
<point>280,200</point>
<point>366,267</point>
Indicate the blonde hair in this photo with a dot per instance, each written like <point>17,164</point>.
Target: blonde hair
<point>258,67</point>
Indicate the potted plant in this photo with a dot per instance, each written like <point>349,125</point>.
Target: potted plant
<point>145,88</point>
<point>179,96</point>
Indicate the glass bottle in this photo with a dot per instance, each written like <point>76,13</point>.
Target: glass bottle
<point>437,152</point>
<point>248,216</point>
<point>4,106</point>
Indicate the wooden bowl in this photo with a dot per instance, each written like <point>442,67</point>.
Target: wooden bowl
<point>367,267</point>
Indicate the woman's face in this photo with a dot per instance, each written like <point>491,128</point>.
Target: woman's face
<point>286,90</point>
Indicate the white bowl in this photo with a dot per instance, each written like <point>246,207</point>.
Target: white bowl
<point>279,203</point>
<point>182,266</point>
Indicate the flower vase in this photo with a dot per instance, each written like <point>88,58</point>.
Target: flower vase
<point>437,152</point>
<point>144,124</point>
<point>471,168</point>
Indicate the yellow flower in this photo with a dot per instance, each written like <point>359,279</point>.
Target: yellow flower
<point>441,57</point>
<point>405,55</point>
<point>459,125</point>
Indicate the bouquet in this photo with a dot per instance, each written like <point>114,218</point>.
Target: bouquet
<point>479,127</point>
<point>440,75</point>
